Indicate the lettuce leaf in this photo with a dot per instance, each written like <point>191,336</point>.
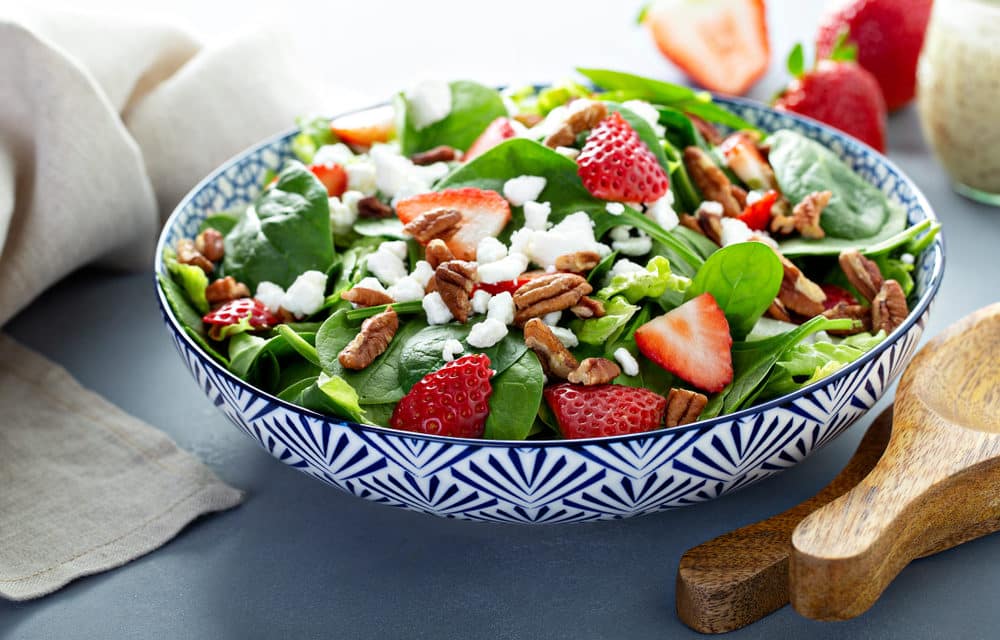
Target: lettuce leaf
<point>597,331</point>
<point>806,363</point>
<point>656,280</point>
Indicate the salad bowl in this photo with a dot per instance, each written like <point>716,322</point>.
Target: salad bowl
<point>557,481</point>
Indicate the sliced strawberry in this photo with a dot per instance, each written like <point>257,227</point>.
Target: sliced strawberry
<point>835,295</point>
<point>745,160</point>
<point>721,44</point>
<point>452,401</point>
<point>484,213</point>
<point>234,312</point>
<point>604,409</point>
<point>615,164</point>
<point>692,342</point>
<point>365,128</point>
<point>758,215</point>
<point>496,132</point>
<point>333,176</point>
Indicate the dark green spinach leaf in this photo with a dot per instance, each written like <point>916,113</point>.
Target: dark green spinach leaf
<point>517,394</point>
<point>473,107</point>
<point>422,352</point>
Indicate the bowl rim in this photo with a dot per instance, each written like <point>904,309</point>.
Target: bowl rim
<point>923,303</point>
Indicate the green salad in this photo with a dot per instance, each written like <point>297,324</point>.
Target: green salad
<point>563,262</point>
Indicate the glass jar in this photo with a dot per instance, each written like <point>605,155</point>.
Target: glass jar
<point>958,94</point>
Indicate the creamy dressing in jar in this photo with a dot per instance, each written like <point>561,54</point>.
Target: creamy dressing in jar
<point>958,93</point>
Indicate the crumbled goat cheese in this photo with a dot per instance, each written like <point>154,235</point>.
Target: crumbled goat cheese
<point>422,272</point>
<point>574,233</point>
<point>907,258</point>
<point>623,267</point>
<point>489,250</point>
<point>565,336</point>
<point>662,212</point>
<point>501,307</point>
<point>633,246</point>
<point>386,265</point>
<point>734,231</point>
<point>406,290</point>
<point>395,247</point>
<point>480,301</point>
<point>523,188</point>
<point>627,361</point>
<point>428,102</point>
<point>338,153</point>
<point>621,232</point>
<point>536,215</point>
<point>615,208</point>
<point>351,199</point>
<point>569,152</point>
<point>552,319</point>
<point>507,268</point>
<point>361,177</point>
<point>487,333</point>
<point>342,219</point>
<point>435,309</point>
<point>450,349</point>
<point>648,113</point>
<point>270,295</point>
<point>369,282</point>
<point>711,206</point>
<point>397,177</point>
<point>306,295</point>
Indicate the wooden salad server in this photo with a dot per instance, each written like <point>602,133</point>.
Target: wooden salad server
<point>936,485</point>
<point>742,576</point>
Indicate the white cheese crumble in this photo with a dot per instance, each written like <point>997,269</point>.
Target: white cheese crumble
<point>627,361</point>
<point>435,309</point>
<point>422,272</point>
<point>623,267</point>
<point>565,336</point>
<point>270,295</point>
<point>480,301</point>
<point>662,212</point>
<point>338,153</point>
<point>710,206</point>
<point>450,349</point>
<point>342,218</point>
<point>369,282</point>
<point>615,208</point>
<point>395,247</point>
<point>428,102</point>
<point>536,215</point>
<point>361,177</point>
<point>306,295</point>
<point>507,268</point>
<point>523,189</point>
<point>489,250</point>
<point>574,233</point>
<point>397,177</point>
<point>907,258</point>
<point>648,113</point>
<point>487,333</point>
<point>552,319</point>
<point>734,231</point>
<point>386,265</point>
<point>501,307</point>
<point>569,152</point>
<point>633,246</point>
<point>406,290</point>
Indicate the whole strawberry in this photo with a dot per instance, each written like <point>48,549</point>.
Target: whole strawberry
<point>839,93</point>
<point>615,164</point>
<point>888,35</point>
<point>452,401</point>
<point>604,409</point>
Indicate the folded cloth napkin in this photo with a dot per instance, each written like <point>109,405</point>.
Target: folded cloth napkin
<point>104,125</point>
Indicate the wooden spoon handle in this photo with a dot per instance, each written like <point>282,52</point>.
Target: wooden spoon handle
<point>740,577</point>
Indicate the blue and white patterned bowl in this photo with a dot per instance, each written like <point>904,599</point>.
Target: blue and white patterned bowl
<point>558,481</point>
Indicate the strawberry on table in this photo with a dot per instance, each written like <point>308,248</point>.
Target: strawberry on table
<point>721,44</point>
<point>604,409</point>
<point>615,164</point>
<point>888,34</point>
<point>692,342</point>
<point>484,214</point>
<point>496,132</point>
<point>452,401</point>
<point>757,214</point>
<point>333,176</point>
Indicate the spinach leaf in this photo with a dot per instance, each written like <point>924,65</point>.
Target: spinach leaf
<point>602,268</point>
<point>203,343</point>
<point>186,314</point>
<point>378,227</point>
<point>191,279</point>
<point>743,278</point>
<point>332,395</point>
<point>685,194</point>
<point>299,344</point>
<point>681,132</point>
<point>857,209</point>
<point>473,107</point>
<point>378,414</point>
<point>292,391</point>
<point>422,352</point>
<point>285,233</point>
<point>295,373</point>
<point>221,221</point>
<point>517,394</point>
<point>883,242</point>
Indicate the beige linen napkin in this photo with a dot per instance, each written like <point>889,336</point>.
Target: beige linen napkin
<point>104,125</point>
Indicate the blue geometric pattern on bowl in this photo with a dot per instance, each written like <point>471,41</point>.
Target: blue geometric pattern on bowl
<point>559,481</point>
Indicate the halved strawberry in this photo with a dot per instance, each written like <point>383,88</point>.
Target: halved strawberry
<point>365,128</point>
<point>692,342</point>
<point>721,44</point>
<point>835,295</point>
<point>615,164</point>
<point>745,160</point>
<point>496,132</point>
<point>604,409</point>
<point>452,401</point>
<point>333,176</point>
<point>484,213</point>
<point>758,215</point>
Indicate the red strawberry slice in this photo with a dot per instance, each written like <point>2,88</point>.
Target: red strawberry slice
<point>365,128</point>
<point>496,132</point>
<point>745,160</point>
<point>510,286</point>
<point>615,164</point>
<point>604,409</point>
<point>692,342</point>
<point>758,215</point>
<point>484,213</point>
<point>235,311</point>
<point>452,401</point>
<point>835,295</point>
<point>333,176</point>
<point>721,44</point>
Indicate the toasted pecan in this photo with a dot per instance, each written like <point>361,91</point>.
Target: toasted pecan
<point>683,406</point>
<point>889,308</point>
<point>578,262</point>
<point>863,274</point>
<point>365,297</point>
<point>372,207</point>
<point>556,359</point>
<point>441,223</point>
<point>710,180</point>
<point>584,115</point>
<point>588,307</point>
<point>437,252</point>
<point>188,254</point>
<point>442,153</point>
<point>594,371</point>
<point>547,294</point>
<point>210,244</point>
<point>805,217</point>
<point>225,289</point>
<point>373,339</point>
<point>856,312</point>
<point>454,280</point>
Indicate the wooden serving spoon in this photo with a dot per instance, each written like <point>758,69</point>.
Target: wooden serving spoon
<point>938,483</point>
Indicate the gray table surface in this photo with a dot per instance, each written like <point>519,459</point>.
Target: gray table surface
<point>301,559</point>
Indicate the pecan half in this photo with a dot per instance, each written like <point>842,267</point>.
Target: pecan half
<point>683,406</point>
<point>437,252</point>
<point>454,281</point>
<point>442,153</point>
<point>556,359</point>
<point>740,194</point>
<point>210,244</point>
<point>188,254</point>
<point>804,218</point>
<point>863,274</point>
<point>594,371</point>
<point>548,293</point>
<point>437,223</point>
<point>373,339</point>
<point>584,115</point>
<point>225,289</point>
<point>372,207</point>
<point>529,119</point>
<point>709,225</point>
<point>706,129</point>
<point>889,308</point>
<point>710,180</point>
<point>365,297</point>
<point>778,311</point>
<point>588,307</point>
<point>798,293</point>
<point>852,312</point>
<point>578,262</point>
